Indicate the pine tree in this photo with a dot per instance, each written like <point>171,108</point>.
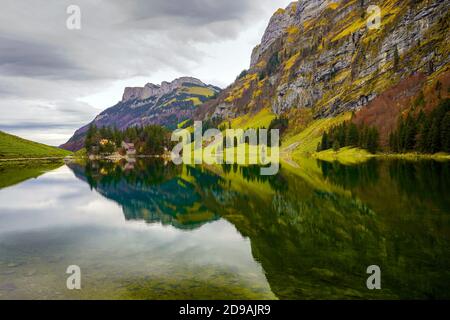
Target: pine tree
<point>325,144</point>
<point>424,132</point>
<point>393,141</point>
<point>434,137</point>
<point>352,135</point>
<point>91,137</point>
<point>363,137</point>
<point>373,140</point>
<point>319,147</point>
<point>342,134</point>
<point>336,145</point>
<point>445,133</point>
<point>410,134</point>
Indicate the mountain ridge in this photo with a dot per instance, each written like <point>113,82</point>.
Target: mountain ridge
<point>155,90</point>
<point>318,59</point>
<point>167,104</point>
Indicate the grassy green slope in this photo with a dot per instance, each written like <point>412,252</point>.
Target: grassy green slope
<point>14,147</point>
<point>307,140</point>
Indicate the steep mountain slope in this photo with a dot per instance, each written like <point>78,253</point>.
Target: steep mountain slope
<point>15,147</point>
<point>167,104</point>
<point>318,59</point>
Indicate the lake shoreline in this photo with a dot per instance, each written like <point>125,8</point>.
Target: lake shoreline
<point>345,156</point>
<point>355,156</point>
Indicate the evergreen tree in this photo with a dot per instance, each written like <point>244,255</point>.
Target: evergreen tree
<point>273,64</point>
<point>91,139</point>
<point>319,147</point>
<point>336,145</point>
<point>410,134</point>
<point>363,138</point>
<point>372,140</point>
<point>434,137</point>
<point>424,132</point>
<point>445,133</point>
<point>393,142</point>
<point>349,134</point>
<point>342,134</point>
<point>352,135</point>
<point>325,143</point>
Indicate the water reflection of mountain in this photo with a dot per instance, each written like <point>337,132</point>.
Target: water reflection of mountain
<point>314,230</point>
<point>422,182</point>
<point>149,191</point>
<point>316,235</point>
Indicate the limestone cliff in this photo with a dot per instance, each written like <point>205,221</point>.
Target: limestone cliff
<point>319,57</point>
<point>166,104</point>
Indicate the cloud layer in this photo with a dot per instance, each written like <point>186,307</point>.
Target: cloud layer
<point>53,79</point>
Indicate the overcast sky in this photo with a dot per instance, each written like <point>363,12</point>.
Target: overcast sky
<point>54,80</point>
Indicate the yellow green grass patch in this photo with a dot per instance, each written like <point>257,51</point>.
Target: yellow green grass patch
<point>307,140</point>
<point>12,147</point>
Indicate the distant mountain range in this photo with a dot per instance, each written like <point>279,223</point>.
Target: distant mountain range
<point>167,105</point>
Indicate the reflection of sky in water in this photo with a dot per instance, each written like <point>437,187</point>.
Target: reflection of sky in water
<point>314,234</point>
<point>58,215</point>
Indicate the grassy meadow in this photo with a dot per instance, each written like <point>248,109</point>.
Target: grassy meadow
<point>13,147</point>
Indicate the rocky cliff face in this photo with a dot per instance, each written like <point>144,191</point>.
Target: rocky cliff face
<point>317,59</point>
<point>320,57</point>
<point>153,90</point>
<point>167,104</point>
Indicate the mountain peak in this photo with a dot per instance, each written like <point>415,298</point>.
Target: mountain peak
<point>166,104</point>
<point>295,14</point>
<point>154,90</point>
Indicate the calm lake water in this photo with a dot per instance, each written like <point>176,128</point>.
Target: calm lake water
<point>150,230</point>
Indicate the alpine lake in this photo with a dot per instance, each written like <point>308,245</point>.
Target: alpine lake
<point>148,229</point>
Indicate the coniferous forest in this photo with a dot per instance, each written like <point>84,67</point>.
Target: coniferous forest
<point>420,132</point>
<point>349,134</point>
<point>424,133</point>
<point>147,140</point>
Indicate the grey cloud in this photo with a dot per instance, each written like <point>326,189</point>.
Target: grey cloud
<point>41,61</point>
<point>191,11</point>
<point>115,36</point>
<point>34,59</point>
<point>36,126</point>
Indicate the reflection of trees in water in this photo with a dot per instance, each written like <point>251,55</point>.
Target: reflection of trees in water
<point>150,190</point>
<point>252,173</point>
<point>204,178</point>
<point>315,243</point>
<point>311,243</point>
<point>351,176</point>
<point>142,172</point>
<point>427,180</point>
<point>418,180</point>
